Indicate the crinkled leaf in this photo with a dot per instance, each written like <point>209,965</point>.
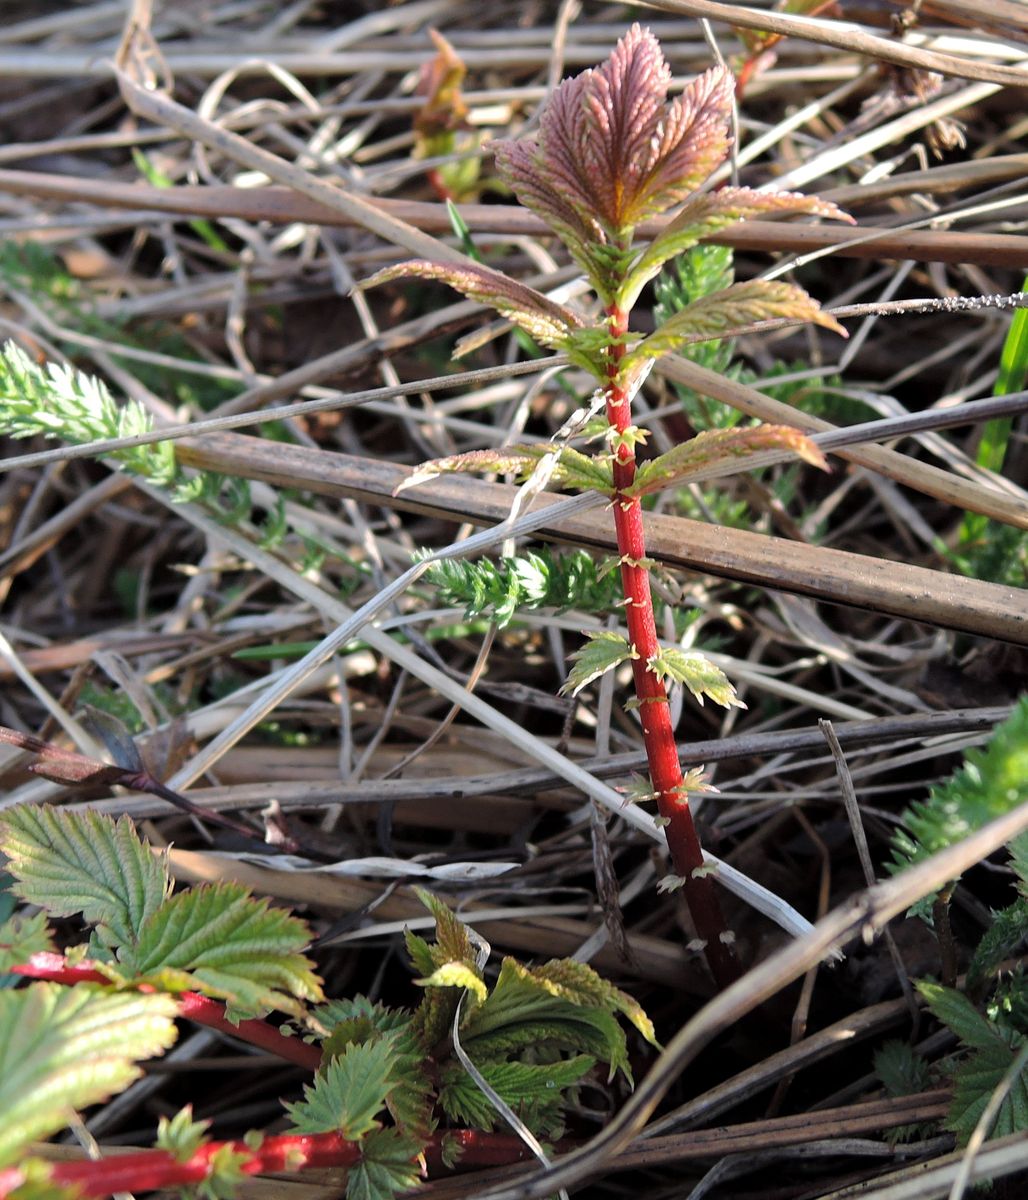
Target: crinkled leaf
<point>420,952</point>
<point>21,937</point>
<point>222,941</point>
<point>729,312</point>
<point>70,862</point>
<point>696,672</point>
<point>453,943</point>
<point>610,150</point>
<point>547,321</point>
<point>456,974</point>
<point>1004,937</point>
<point>708,213</point>
<point>387,1167</point>
<point>521,1002</point>
<point>720,446</point>
<point>580,984</point>
<point>523,1086</point>
<point>603,652</point>
<point>348,1093</point>
<point>65,1048</point>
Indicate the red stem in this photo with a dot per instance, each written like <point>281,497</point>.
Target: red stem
<point>148,1170</point>
<point>192,1006</point>
<point>654,710</point>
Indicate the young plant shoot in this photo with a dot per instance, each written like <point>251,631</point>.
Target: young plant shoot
<point>610,152</point>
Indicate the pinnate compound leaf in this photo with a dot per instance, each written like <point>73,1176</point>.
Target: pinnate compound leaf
<point>729,312</point>
<point>220,940</point>
<point>602,653</point>
<point>348,1093</point>
<point>70,862</point>
<point>708,213</point>
<point>21,937</point>
<point>696,672</point>
<point>387,1167</point>
<point>66,1048</point>
<point>538,315</point>
<point>715,446</point>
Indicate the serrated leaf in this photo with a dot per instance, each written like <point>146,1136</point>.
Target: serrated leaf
<point>727,313</point>
<point>975,1081</point>
<point>580,984</point>
<point>456,974</point>
<point>955,1011</point>
<point>69,862</point>
<point>538,315</point>
<point>706,214</point>
<point>181,1135</point>
<point>387,1166</point>
<point>420,952</point>
<point>611,151</point>
<point>715,446</point>
<point>222,941</point>
<point>21,937</point>
<point>1004,936</point>
<point>348,1093</point>
<point>63,1049</point>
<point>603,652</point>
<point>453,943</point>
<point>572,468</point>
<point>521,1003</point>
<point>523,1086</point>
<point>696,672</point>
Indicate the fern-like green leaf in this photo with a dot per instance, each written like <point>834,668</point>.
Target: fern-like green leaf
<point>992,781</point>
<point>717,446</point>
<point>602,653</point>
<point>63,1049</point>
<point>220,940</point>
<point>696,672</point>
<point>21,937</point>
<point>387,1167</point>
<point>84,862</point>
<point>533,1091</point>
<point>348,1093</point>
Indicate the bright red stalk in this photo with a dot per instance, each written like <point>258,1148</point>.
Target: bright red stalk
<point>654,710</point>
<point>192,1006</point>
<point>148,1170</point>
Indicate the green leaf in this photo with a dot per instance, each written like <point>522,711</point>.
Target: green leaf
<point>453,944</point>
<point>993,781</point>
<point>538,315</point>
<point>716,446</point>
<point>975,1081</point>
<point>21,937</point>
<point>580,984</point>
<point>1004,936</point>
<point>527,1088</point>
<point>69,862</point>
<point>571,470</point>
<point>348,1093</point>
<point>707,213</point>
<point>387,1166</point>
<point>180,1135</point>
<point>603,652</point>
<point>956,1012</point>
<point>729,312</point>
<point>63,1049</point>
<point>220,940</point>
<point>523,1005</point>
<point>696,672</point>
<point>456,974</point>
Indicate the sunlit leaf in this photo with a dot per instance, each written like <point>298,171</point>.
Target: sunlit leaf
<point>729,312</point>
<point>348,1093</point>
<point>696,672</point>
<point>456,974</point>
<point>547,321</point>
<point>715,446</point>
<point>21,937</point>
<point>602,653</point>
<point>71,862</point>
<point>62,1049</point>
